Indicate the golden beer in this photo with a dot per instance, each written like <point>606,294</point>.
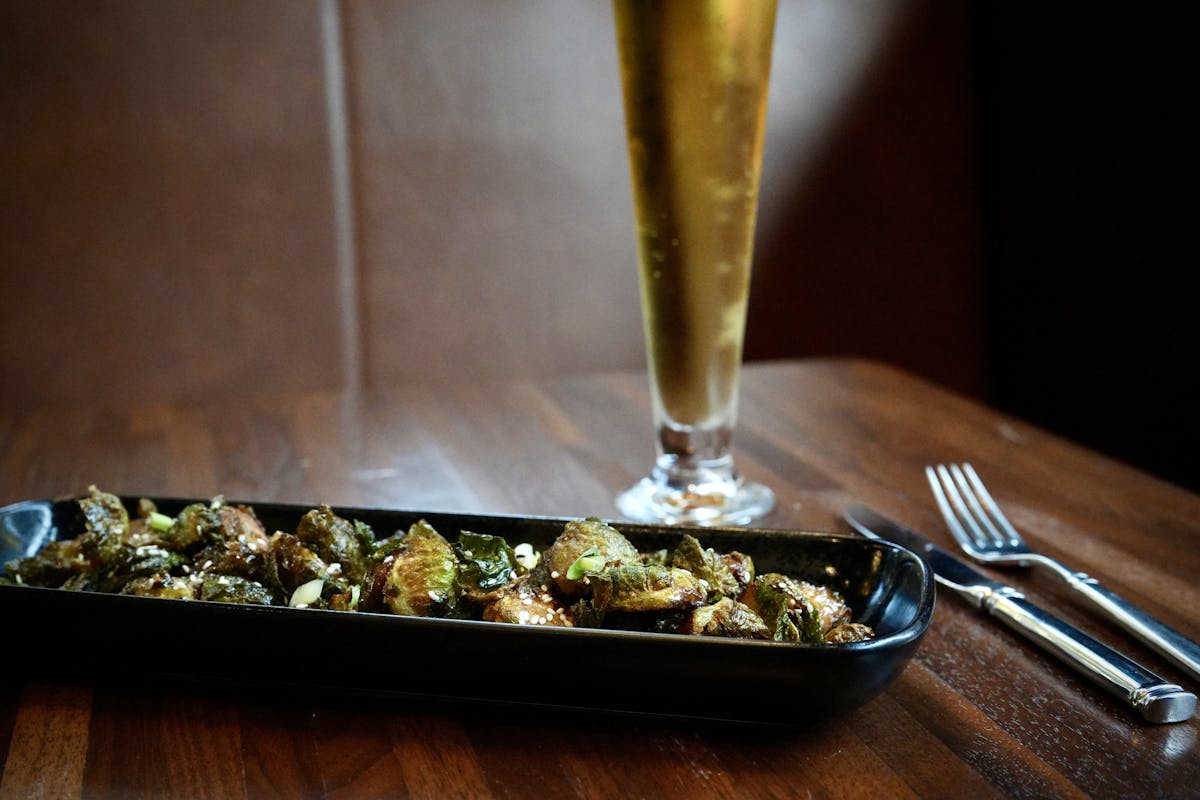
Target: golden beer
<point>695,75</point>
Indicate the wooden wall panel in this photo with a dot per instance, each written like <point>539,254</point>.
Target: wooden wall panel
<point>869,240</point>
<point>494,210</point>
<point>223,196</point>
<point>165,213</point>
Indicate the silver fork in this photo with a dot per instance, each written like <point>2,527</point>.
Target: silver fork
<point>986,535</point>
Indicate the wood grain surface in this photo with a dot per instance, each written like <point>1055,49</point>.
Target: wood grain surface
<point>977,713</point>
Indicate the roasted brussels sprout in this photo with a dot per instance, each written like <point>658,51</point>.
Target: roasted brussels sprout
<point>289,564</point>
<point>831,609</point>
<point>726,617</point>
<point>646,587</point>
<point>247,555</point>
<point>789,616</point>
<point>232,589</point>
<point>52,566</point>
<point>160,585</point>
<point>849,632</point>
<point>590,576</point>
<point>192,527</point>
<point>337,541</point>
<point>107,525</point>
<point>128,563</point>
<point>419,578</point>
<point>604,542</point>
<point>524,602</point>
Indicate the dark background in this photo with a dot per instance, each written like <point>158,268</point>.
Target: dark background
<point>1086,178</point>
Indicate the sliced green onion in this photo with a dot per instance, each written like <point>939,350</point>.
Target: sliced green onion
<point>160,522</point>
<point>307,593</point>
<point>526,556</point>
<point>589,561</point>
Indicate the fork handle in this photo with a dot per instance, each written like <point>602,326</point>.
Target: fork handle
<point>1181,650</point>
<point>1153,698</point>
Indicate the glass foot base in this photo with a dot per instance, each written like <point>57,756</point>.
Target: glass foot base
<point>712,504</point>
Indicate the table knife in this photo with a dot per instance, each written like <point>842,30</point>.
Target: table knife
<point>1152,697</point>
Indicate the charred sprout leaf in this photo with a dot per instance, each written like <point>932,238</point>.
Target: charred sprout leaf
<point>726,575</point>
<point>849,632</point>
<point>726,617</point>
<point>487,562</point>
<point>366,536</point>
<point>660,558</point>
<point>107,523</point>
<point>236,522</point>
<point>55,564</point>
<point>232,589</point>
<point>335,540</point>
<point>161,585</point>
<point>345,601</point>
<point>192,527</point>
<point>418,579</point>
<point>104,514</point>
<point>382,548</point>
<point>125,563</point>
<point>787,613</point>
<point>587,615</point>
<point>642,588</point>
<point>828,604</point>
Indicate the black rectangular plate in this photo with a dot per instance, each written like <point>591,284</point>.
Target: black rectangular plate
<point>887,587</point>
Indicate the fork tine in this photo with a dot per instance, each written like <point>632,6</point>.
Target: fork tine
<point>959,532</point>
<point>993,507</point>
<point>986,529</point>
<point>982,536</point>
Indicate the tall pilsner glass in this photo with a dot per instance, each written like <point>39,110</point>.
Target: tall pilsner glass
<point>695,75</point>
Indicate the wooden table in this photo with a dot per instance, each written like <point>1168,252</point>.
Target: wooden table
<point>976,713</point>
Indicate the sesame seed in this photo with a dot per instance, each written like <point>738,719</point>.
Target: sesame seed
<point>432,594</point>
<point>523,616</point>
<point>554,574</point>
<point>526,601</point>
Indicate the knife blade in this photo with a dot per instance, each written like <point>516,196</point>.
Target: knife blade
<point>1154,698</point>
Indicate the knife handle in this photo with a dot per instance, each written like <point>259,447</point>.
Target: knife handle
<point>1148,694</point>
